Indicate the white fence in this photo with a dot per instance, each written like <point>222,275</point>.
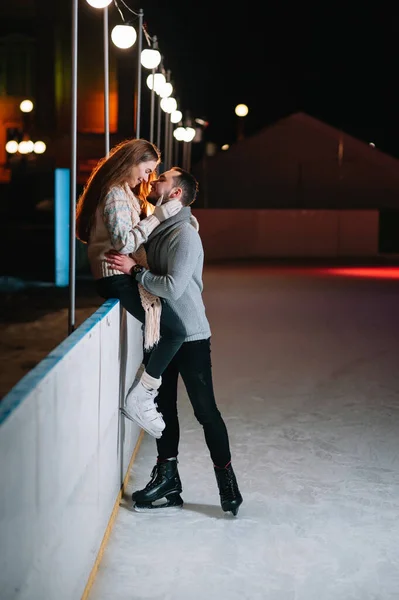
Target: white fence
<point>246,234</point>
<point>64,454</point>
<point>239,234</point>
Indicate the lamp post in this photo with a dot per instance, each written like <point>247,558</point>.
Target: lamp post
<point>106,81</point>
<point>104,5</point>
<point>159,123</point>
<point>186,135</point>
<point>137,108</point>
<point>124,36</point>
<point>72,181</point>
<point>175,117</point>
<point>179,134</point>
<point>165,92</point>
<point>155,81</point>
<point>152,110</point>
<point>150,59</point>
<point>241,111</point>
<point>189,140</point>
<point>168,105</point>
<point>190,135</point>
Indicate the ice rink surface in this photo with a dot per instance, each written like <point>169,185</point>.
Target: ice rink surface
<point>306,374</point>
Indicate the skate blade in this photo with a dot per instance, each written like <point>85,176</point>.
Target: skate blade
<point>157,435</point>
<point>158,506</point>
<point>233,510</point>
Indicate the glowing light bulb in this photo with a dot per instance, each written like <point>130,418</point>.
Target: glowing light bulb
<point>123,36</point>
<point>190,134</point>
<point>179,134</point>
<point>39,147</point>
<point>176,116</point>
<point>241,110</point>
<point>166,90</point>
<point>25,147</point>
<point>158,79</point>
<point>150,58</point>
<point>26,106</point>
<point>168,105</point>
<point>99,3</point>
<point>12,147</point>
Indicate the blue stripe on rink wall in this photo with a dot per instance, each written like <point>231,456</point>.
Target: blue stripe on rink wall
<point>61,227</point>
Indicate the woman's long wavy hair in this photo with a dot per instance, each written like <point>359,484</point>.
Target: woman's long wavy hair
<point>110,171</point>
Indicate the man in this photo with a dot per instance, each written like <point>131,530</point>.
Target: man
<point>175,257</point>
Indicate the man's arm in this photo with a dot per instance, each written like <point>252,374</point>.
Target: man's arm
<point>183,253</point>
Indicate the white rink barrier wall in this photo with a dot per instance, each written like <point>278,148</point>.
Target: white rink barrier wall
<point>64,455</point>
<point>261,234</point>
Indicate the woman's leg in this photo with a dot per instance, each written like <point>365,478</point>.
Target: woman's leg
<point>172,330</point>
<point>125,289</point>
<point>172,336</point>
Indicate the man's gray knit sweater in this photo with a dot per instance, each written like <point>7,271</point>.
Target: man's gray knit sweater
<point>176,257</point>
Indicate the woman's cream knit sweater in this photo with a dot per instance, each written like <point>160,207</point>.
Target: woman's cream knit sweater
<point>118,226</point>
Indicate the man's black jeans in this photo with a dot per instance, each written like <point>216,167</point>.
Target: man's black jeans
<point>172,330</point>
<point>193,362</point>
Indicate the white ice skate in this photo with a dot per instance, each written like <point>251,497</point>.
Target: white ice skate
<point>141,408</point>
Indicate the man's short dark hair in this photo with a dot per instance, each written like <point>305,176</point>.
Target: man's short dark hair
<point>188,184</point>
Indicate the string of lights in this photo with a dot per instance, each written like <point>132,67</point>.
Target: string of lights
<point>124,36</point>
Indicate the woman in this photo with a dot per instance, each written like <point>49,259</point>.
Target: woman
<point>110,215</point>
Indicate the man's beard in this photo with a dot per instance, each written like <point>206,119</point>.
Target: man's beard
<point>153,198</point>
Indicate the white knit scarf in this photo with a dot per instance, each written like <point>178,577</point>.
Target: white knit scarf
<point>152,304</point>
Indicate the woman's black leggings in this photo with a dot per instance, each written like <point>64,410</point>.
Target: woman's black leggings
<point>125,289</point>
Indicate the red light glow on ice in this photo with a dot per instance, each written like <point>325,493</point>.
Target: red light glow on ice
<point>366,272</point>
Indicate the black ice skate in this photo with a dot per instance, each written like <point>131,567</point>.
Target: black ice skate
<point>162,491</point>
<point>230,497</point>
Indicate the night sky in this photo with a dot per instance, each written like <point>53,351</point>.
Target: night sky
<point>338,63</point>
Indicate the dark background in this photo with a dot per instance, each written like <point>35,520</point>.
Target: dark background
<point>335,61</point>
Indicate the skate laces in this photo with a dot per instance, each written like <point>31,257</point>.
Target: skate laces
<point>228,486</point>
<point>154,478</point>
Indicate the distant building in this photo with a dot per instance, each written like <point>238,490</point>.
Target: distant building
<point>299,163</point>
<point>35,63</point>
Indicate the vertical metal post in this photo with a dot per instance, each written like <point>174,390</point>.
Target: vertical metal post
<point>170,141</point>
<point>106,81</point>
<point>184,160</point>
<point>176,152</point>
<point>189,148</point>
<point>152,108</point>
<point>204,180</point>
<point>159,123</point>
<point>138,90</point>
<point>166,142</point>
<point>72,203</point>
